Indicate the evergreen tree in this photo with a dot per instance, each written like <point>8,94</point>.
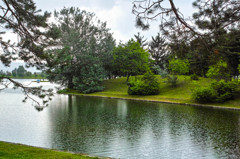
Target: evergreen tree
<point>140,39</point>
<point>84,43</point>
<point>158,50</point>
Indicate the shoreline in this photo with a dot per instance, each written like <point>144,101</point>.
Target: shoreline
<point>158,101</point>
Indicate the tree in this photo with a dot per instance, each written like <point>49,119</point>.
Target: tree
<point>22,18</point>
<point>130,59</point>
<point>219,20</point>
<point>140,39</point>
<point>158,50</point>
<point>14,72</point>
<point>219,71</point>
<point>21,71</point>
<point>177,66</point>
<point>83,52</point>
<point>148,10</point>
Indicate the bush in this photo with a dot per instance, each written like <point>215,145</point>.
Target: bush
<point>224,90</point>
<point>147,85</point>
<point>218,91</point>
<point>204,95</point>
<point>194,77</point>
<point>172,80</point>
<point>158,70</point>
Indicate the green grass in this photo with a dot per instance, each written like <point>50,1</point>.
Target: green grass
<point>181,94</point>
<point>17,151</point>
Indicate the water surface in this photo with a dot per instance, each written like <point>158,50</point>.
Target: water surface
<point>120,128</point>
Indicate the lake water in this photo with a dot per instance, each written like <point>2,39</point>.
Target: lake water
<point>120,128</point>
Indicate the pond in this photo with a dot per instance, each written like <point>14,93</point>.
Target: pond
<point>120,128</point>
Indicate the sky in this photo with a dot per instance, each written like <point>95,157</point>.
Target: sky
<point>117,14</point>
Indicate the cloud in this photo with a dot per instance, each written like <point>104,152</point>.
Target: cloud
<point>117,14</point>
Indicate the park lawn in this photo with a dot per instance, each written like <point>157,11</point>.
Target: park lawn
<point>18,151</point>
<point>117,88</point>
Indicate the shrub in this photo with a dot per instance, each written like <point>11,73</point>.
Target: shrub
<point>204,95</point>
<point>218,91</point>
<point>224,90</point>
<point>158,70</point>
<point>172,80</point>
<point>194,77</point>
<point>147,85</point>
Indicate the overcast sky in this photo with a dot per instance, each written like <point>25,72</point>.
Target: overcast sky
<point>117,14</point>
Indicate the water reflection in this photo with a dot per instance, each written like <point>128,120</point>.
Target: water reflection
<point>122,128</point>
<point>131,129</point>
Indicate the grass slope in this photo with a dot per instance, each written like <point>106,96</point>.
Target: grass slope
<point>17,151</point>
<point>181,94</point>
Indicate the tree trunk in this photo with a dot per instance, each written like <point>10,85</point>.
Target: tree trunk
<point>128,75</point>
<point>70,83</point>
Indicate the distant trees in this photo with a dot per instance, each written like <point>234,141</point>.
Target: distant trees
<point>82,57</point>
<point>21,72</point>
<point>130,59</point>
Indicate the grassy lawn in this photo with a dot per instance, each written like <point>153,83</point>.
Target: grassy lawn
<point>17,151</point>
<point>181,94</point>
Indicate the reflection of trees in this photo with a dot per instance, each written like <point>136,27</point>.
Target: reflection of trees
<point>95,125</point>
<point>217,128</point>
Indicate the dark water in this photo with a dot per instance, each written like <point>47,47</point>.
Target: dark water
<point>121,128</point>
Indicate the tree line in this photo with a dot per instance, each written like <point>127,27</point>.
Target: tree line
<point>21,72</point>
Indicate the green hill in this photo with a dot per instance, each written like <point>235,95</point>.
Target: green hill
<point>117,88</point>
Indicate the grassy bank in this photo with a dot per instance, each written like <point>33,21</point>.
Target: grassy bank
<point>181,94</point>
<point>17,151</point>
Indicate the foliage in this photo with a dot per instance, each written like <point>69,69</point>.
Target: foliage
<point>130,58</point>
<point>219,71</point>
<point>211,34</point>
<point>177,66</point>
<point>158,50</point>
<point>89,79</point>
<point>204,95</point>
<point>24,20</point>
<point>224,90</point>
<point>140,39</point>
<point>194,77</point>
<point>239,68</point>
<point>147,85</point>
<point>218,91</point>
<point>159,71</point>
<point>83,53</point>
<point>172,80</point>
